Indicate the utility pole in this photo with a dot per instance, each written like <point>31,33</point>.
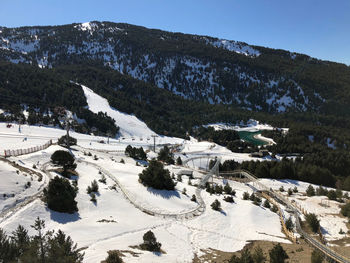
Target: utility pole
<point>19,124</point>
<point>154,142</point>
<point>109,134</point>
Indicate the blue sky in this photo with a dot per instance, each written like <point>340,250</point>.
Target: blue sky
<point>317,28</point>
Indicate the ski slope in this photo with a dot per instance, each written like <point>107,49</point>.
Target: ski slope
<point>129,125</point>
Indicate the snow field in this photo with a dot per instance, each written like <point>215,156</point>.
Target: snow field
<point>327,211</point>
<point>228,231</point>
<point>12,187</point>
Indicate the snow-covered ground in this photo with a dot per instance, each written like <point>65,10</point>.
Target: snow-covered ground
<point>228,230</point>
<point>115,223</point>
<point>327,211</point>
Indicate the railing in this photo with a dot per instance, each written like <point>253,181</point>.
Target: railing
<point>18,152</point>
<point>323,248</point>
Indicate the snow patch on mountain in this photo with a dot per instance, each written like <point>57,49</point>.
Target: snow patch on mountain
<point>234,46</point>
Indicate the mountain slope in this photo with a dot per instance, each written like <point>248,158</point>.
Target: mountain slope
<point>129,125</point>
<point>194,67</point>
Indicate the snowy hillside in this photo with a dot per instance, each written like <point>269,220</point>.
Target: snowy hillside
<point>129,125</point>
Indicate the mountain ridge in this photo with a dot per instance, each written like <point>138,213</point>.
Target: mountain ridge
<point>195,67</point>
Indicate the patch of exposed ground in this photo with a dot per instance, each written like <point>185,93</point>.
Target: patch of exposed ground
<point>297,252</point>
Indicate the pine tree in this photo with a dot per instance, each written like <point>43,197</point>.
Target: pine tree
<point>227,189</point>
<point>64,159</point>
<point>278,254</point>
<point>317,257</point>
<point>216,205</point>
<point>310,191</point>
<point>179,161</point>
<point>150,242</point>
<point>61,246</point>
<point>258,255</point>
<point>21,239</point>
<point>156,176</point>
<point>313,222</point>
<point>60,195</point>
<point>267,204</point>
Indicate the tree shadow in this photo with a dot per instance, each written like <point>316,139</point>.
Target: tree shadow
<point>63,218</point>
<point>167,194</point>
<point>157,253</point>
<point>141,162</point>
<point>290,181</point>
<point>323,231</point>
<point>223,212</point>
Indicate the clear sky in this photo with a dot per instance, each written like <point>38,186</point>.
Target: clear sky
<point>319,28</point>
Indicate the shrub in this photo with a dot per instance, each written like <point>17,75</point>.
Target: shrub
<point>321,191</point>
<point>156,176</point>
<point>103,179</point>
<point>93,197</point>
<point>282,189</point>
<point>332,195</point>
<point>92,188</point>
<point>257,201</point>
<point>229,199</point>
<point>274,208</point>
<point>193,198</point>
<point>216,205</point>
<point>60,194</point>
<point>252,197</point>
<point>218,189</point>
<point>150,242</point>
<point>290,191</point>
<point>345,210</point>
<point>267,204</point>
<point>122,160</point>
<point>112,257</point>
<point>245,196</point>
<point>295,189</point>
<point>227,189</point>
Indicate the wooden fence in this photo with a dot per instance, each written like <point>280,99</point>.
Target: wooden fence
<point>18,152</point>
<point>288,233</point>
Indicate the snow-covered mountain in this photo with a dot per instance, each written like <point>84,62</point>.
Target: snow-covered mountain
<point>195,67</point>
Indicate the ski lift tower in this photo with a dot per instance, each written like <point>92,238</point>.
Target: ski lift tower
<point>154,142</point>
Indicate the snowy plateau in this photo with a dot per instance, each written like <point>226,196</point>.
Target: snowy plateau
<point>117,221</point>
